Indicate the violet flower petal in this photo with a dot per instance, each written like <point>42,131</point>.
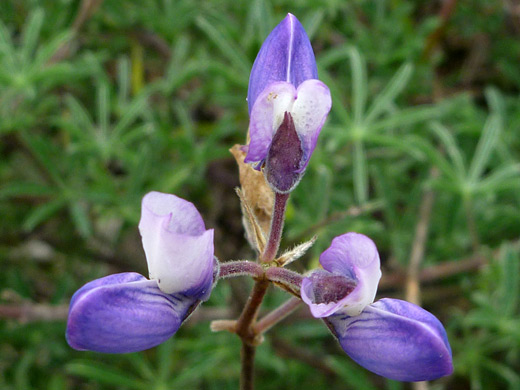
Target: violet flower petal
<point>286,55</point>
<point>178,248</point>
<point>355,256</point>
<point>266,117</point>
<point>309,113</point>
<point>325,292</point>
<point>395,339</point>
<point>124,313</point>
<point>308,105</point>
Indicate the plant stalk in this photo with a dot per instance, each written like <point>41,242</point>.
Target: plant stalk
<point>247,357</point>
<point>275,235</point>
<point>277,315</point>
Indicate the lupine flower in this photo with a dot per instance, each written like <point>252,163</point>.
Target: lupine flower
<point>393,338</point>
<point>126,312</point>
<point>287,105</point>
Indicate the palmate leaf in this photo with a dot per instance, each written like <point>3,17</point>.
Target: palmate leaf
<point>394,87</point>
<point>46,51</point>
<point>7,52</point>
<point>503,178</point>
<point>30,36</point>
<point>46,154</point>
<point>409,116</point>
<point>260,20</point>
<point>225,44</point>
<point>312,22</point>
<point>132,111</point>
<point>485,147</point>
<point>43,212</point>
<point>450,145</point>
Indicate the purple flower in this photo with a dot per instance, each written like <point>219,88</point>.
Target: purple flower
<point>287,105</point>
<point>393,338</point>
<point>126,312</point>
<point>352,261</point>
<point>285,55</point>
<point>178,248</point>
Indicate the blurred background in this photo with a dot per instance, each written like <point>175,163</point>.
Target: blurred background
<point>103,101</point>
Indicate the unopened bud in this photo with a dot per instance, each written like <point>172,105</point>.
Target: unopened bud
<point>282,165</point>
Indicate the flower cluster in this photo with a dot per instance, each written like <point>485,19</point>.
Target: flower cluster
<point>288,106</point>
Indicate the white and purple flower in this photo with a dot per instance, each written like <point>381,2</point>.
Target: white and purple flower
<point>127,312</point>
<point>393,338</point>
<point>287,105</point>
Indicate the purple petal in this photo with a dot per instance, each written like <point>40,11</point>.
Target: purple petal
<point>309,112</point>
<point>326,293</point>
<point>124,313</point>
<point>396,339</point>
<point>285,55</point>
<point>266,117</point>
<point>308,106</point>
<point>355,256</point>
<point>178,249</point>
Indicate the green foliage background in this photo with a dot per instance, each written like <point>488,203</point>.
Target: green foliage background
<point>103,101</point>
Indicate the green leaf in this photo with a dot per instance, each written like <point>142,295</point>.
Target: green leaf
<point>132,111</point>
<point>388,95</point>
<point>338,108</point>
<point>360,172</point>
<point>260,19</point>
<point>357,379</point>
<point>510,286</point>
<point>21,189</point>
<point>41,213</point>
<point>507,177</point>
<point>45,53</point>
<point>408,116</point>
<point>30,35</point>
<point>44,152</point>
<point>359,85</point>
<point>451,148</point>
<point>7,50</point>
<point>105,374</point>
<point>78,212</point>
<point>486,144</point>
<point>80,115</point>
<point>225,45</point>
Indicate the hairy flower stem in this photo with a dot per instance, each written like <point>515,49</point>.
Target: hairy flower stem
<point>245,324</point>
<point>244,329</point>
<point>284,278</point>
<point>275,235</point>
<point>239,268</point>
